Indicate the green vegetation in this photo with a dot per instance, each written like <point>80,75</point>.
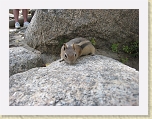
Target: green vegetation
<point>132,48</point>
<point>114,47</point>
<point>93,41</point>
<point>124,60</point>
<point>62,41</point>
<point>125,49</point>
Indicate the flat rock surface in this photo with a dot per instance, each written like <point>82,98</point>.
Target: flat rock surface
<point>92,81</point>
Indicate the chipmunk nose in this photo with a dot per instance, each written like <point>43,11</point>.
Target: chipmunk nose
<point>71,62</point>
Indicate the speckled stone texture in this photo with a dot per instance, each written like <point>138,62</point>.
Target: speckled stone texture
<point>21,59</point>
<point>92,81</point>
<point>50,28</point>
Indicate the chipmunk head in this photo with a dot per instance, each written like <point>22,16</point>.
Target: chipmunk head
<point>69,53</point>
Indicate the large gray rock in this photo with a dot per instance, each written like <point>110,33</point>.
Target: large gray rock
<point>92,81</point>
<point>21,59</point>
<point>49,29</point>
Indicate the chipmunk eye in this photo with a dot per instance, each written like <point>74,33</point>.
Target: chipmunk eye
<point>75,54</point>
<point>64,46</point>
<point>65,55</point>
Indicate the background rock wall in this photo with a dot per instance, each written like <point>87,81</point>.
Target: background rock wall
<point>49,29</point>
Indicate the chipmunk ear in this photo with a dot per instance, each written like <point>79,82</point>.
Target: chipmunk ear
<point>73,46</point>
<point>79,49</point>
<point>64,46</point>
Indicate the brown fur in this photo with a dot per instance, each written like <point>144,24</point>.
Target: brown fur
<point>75,48</point>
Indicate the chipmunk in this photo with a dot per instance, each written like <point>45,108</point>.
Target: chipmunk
<point>75,48</point>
